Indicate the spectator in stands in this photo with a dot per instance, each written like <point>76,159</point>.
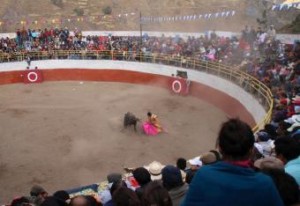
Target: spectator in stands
<point>79,200</point>
<point>232,181</point>
<point>20,201</point>
<point>154,169</point>
<point>285,183</point>
<point>181,164</point>
<point>288,151</point>
<point>156,194</point>
<point>105,195</point>
<point>125,197</point>
<point>172,181</point>
<point>62,197</point>
<point>195,165</point>
<point>208,158</point>
<point>38,195</point>
<point>143,177</point>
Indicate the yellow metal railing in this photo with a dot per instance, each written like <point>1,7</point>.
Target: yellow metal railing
<point>243,79</point>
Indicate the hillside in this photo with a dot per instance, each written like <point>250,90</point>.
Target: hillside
<point>89,15</point>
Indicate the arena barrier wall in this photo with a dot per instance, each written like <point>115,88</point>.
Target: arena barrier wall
<point>236,93</point>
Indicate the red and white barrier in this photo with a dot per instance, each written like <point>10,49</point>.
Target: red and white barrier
<point>32,76</point>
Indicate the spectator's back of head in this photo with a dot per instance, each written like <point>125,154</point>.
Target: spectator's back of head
<point>171,177</point>
<point>142,175</point>
<point>181,163</point>
<point>125,197</point>
<point>156,195</point>
<point>287,148</point>
<point>79,201</point>
<point>235,140</point>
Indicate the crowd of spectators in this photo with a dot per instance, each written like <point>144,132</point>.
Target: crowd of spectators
<point>248,169</point>
<point>233,175</point>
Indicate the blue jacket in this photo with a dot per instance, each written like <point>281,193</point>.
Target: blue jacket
<point>230,185</point>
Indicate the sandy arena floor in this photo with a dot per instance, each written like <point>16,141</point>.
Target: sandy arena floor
<point>66,134</point>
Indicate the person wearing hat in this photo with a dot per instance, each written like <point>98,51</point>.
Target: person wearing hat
<point>172,181</point>
<point>232,181</point>
<point>154,169</point>
<point>195,165</point>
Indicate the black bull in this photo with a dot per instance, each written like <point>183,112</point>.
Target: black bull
<point>130,119</point>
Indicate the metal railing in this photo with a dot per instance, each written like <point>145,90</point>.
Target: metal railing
<point>247,82</point>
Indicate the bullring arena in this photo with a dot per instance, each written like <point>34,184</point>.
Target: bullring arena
<point>67,131</point>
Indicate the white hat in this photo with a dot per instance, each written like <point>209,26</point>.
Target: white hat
<point>154,169</point>
<point>195,161</point>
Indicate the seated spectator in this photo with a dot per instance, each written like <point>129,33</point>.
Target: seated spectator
<point>38,195</point>
<point>156,194</point>
<point>208,158</point>
<point>195,165</point>
<point>232,181</point>
<point>286,184</point>
<point>143,177</point>
<point>79,200</point>
<point>62,197</point>
<point>20,201</point>
<point>288,151</point>
<point>181,164</point>
<point>125,197</point>
<point>105,196</point>
<point>154,169</point>
<point>172,181</point>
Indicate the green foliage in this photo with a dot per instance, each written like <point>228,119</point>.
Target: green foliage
<point>107,10</point>
<point>79,11</point>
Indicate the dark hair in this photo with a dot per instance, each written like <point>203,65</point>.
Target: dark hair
<point>125,197</point>
<point>285,184</point>
<point>181,163</point>
<point>149,114</point>
<point>92,201</point>
<point>287,147</point>
<point>156,194</point>
<point>235,139</point>
<point>142,175</point>
<point>79,196</point>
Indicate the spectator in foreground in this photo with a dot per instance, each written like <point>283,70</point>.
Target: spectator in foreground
<point>172,181</point>
<point>143,177</point>
<point>156,194</point>
<point>288,151</point>
<point>232,181</point>
<point>38,195</point>
<point>125,197</point>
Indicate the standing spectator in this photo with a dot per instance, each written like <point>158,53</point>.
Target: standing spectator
<point>232,181</point>
<point>79,201</point>
<point>288,151</point>
<point>172,181</point>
